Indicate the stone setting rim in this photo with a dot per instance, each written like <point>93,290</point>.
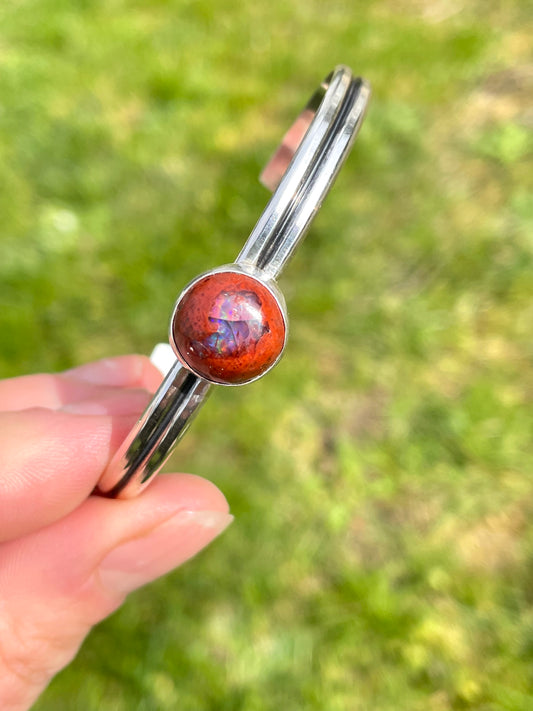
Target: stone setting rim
<point>253,273</point>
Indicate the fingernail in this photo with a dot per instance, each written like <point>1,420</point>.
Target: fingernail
<point>126,403</point>
<point>109,371</point>
<point>140,560</point>
<point>163,357</point>
<point>88,407</point>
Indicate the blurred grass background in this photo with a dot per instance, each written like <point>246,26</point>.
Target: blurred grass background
<point>382,553</point>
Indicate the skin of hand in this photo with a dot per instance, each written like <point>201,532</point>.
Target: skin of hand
<point>69,559</point>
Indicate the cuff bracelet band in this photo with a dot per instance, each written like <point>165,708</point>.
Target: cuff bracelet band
<point>229,325</point>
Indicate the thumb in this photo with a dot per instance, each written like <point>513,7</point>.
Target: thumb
<point>55,584</point>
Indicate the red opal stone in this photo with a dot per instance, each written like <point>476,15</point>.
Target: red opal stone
<point>228,328</point>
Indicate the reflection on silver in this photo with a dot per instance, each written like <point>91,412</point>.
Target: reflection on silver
<point>301,172</point>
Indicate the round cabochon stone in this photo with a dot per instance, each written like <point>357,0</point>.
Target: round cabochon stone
<point>228,328</point>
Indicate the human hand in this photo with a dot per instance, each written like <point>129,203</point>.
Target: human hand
<point>68,559</point>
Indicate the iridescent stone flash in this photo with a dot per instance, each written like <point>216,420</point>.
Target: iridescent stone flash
<point>228,328</point>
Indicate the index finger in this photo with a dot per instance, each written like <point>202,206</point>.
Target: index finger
<point>50,463</point>
<point>55,391</point>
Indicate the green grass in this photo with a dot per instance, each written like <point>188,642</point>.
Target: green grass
<point>381,558</point>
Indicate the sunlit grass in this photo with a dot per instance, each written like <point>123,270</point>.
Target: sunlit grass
<point>380,476</point>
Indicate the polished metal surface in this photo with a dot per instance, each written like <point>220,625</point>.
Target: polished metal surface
<point>153,438</point>
<point>309,175</point>
<point>303,169</point>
